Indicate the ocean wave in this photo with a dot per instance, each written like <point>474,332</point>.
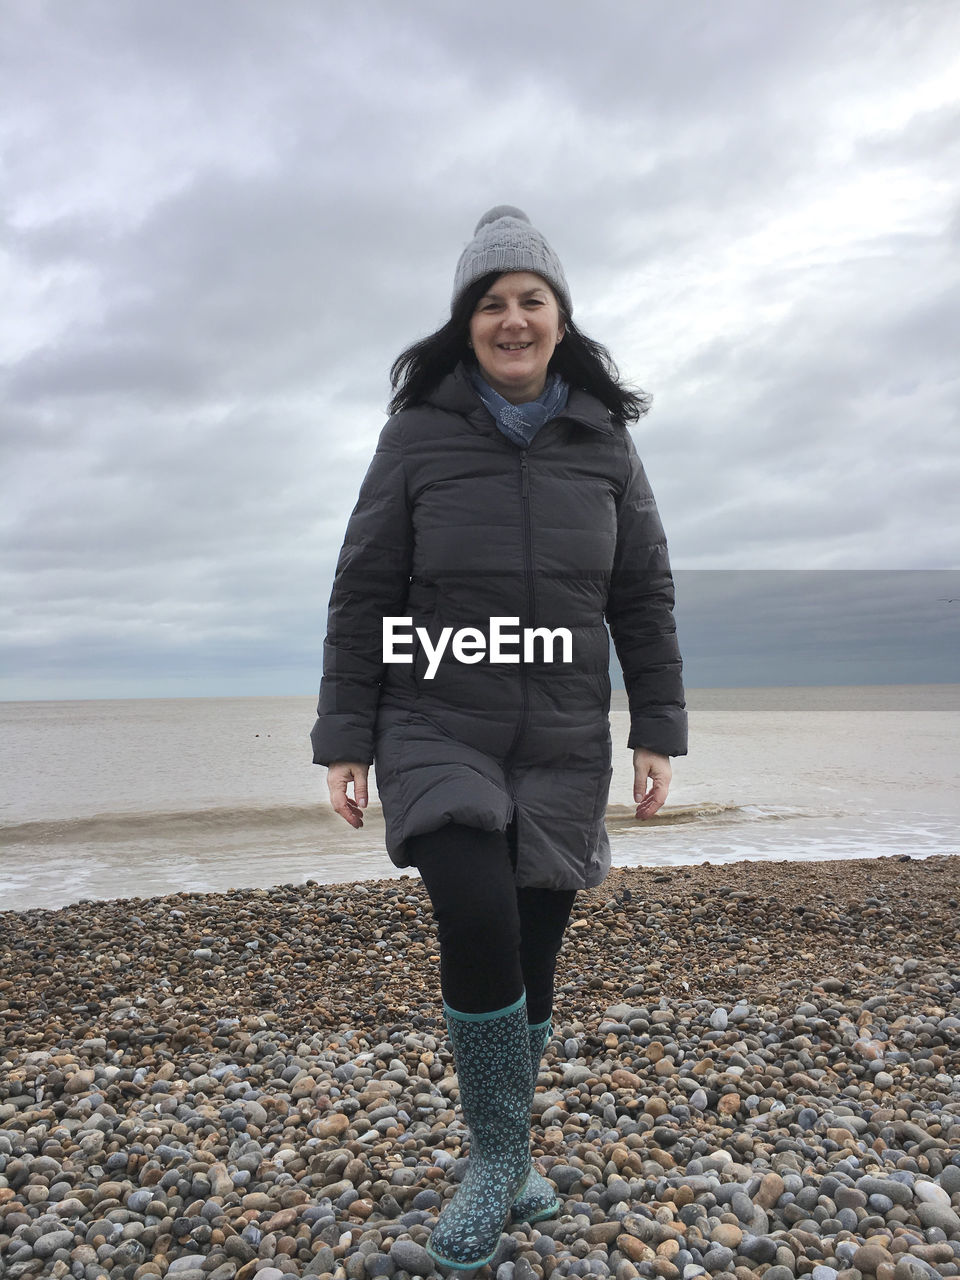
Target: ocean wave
<point>119,828</point>
<point>172,824</point>
<point>706,812</point>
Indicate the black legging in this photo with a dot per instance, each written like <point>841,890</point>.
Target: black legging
<point>495,939</point>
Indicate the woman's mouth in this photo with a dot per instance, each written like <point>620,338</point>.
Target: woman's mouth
<point>514,346</point>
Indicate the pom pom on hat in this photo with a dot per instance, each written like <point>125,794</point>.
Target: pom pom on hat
<point>504,240</point>
<point>501,211</point>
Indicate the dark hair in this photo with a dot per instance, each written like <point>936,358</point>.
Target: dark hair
<point>578,359</point>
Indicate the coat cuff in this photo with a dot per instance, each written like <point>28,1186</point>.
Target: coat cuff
<point>665,734</point>
<point>333,742</point>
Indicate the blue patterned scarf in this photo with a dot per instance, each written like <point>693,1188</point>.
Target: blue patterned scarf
<point>521,422</point>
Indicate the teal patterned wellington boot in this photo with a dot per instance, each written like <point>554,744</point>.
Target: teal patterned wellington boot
<point>491,1052</point>
<point>537,1198</point>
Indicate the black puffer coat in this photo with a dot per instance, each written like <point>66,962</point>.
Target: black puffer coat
<point>455,525</point>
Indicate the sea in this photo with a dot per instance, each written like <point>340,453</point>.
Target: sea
<point>137,798</point>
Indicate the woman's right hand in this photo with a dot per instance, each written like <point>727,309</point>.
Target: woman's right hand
<point>349,808</point>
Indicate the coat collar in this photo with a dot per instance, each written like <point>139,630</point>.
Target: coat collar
<point>456,394</point>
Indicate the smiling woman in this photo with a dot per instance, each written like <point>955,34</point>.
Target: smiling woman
<point>505,490</point>
<point>514,332</point>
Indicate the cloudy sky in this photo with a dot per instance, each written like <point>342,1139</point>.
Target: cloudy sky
<point>221,221</point>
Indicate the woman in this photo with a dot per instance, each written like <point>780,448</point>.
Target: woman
<point>504,516</point>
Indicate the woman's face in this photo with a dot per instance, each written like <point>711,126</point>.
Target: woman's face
<point>513,332</point>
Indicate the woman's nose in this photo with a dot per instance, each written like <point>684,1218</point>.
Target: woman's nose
<point>514,317</point>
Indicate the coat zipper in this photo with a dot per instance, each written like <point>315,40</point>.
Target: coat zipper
<point>531,592</point>
<point>531,585</point>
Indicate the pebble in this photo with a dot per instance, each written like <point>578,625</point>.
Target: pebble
<point>732,1087</point>
<point>930,1192</point>
<point>412,1257</point>
<point>940,1216</point>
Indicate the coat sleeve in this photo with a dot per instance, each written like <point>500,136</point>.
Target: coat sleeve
<point>372,580</point>
<point>640,616</point>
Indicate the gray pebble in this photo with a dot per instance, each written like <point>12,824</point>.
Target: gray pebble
<point>718,1258</point>
<point>355,1266</point>
<point>323,1260</point>
<point>138,1200</point>
<point>574,1074</point>
<point>894,1190</point>
<point>910,1268</point>
<point>506,1251</point>
<point>379,1264</point>
<point>565,1175</point>
<point>411,1257</point>
<point>48,1244</point>
<point>848,1219</point>
<point>938,1215</point>
<point>758,1248</point>
<point>879,1204</point>
<point>617,1190</point>
<point>742,1206</point>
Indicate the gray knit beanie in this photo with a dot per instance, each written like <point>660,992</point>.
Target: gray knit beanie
<point>504,240</point>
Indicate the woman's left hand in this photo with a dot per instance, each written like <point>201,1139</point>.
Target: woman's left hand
<point>654,772</point>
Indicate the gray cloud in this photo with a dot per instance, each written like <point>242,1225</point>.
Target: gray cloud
<point>220,223</point>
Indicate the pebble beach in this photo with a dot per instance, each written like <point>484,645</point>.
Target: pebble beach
<point>755,1071</point>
